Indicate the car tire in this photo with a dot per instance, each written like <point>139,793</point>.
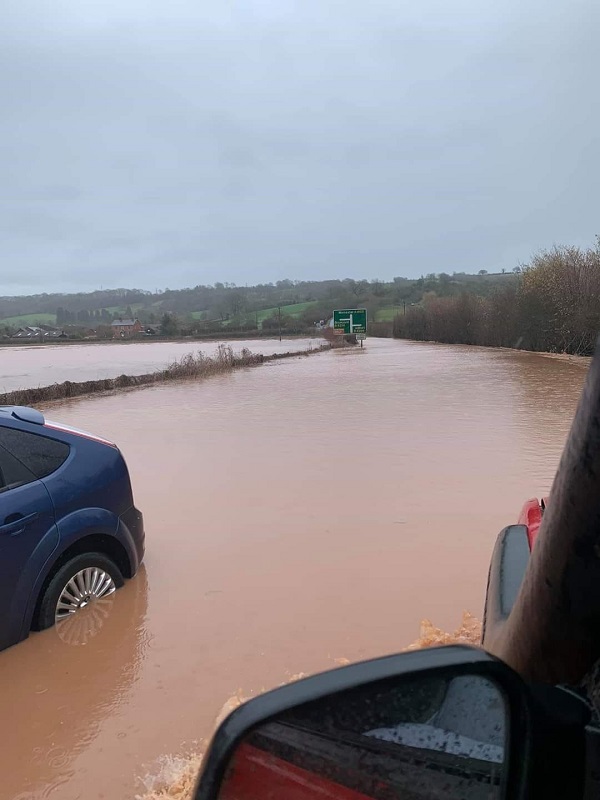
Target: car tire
<point>90,575</point>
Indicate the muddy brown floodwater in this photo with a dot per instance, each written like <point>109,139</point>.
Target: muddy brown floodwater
<point>296,513</point>
<point>41,365</point>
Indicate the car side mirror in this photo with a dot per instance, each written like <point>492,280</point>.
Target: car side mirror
<point>448,722</point>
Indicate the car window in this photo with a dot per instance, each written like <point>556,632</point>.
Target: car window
<point>40,455</point>
<point>12,472</point>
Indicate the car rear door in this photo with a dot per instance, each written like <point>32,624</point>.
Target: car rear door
<point>27,537</point>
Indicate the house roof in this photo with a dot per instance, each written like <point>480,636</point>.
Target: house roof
<point>29,330</point>
<point>124,322</point>
<point>38,331</point>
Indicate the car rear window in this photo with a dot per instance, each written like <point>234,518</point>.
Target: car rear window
<point>42,456</point>
<point>12,472</point>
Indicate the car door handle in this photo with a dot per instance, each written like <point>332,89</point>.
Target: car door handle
<point>16,523</point>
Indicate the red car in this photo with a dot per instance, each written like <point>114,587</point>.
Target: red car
<point>531,516</point>
<point>508,565</point>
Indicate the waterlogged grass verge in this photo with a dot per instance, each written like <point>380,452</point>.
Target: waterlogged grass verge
<point>189,367</point>
<point>175,776</point>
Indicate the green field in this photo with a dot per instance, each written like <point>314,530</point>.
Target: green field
<point>50,319</point>
<point>29,319</point>
<point>387,314</point>
<point>122,310</point>
<point>293,310</point>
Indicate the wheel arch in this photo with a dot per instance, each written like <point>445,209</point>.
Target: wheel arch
<point>102,543</point>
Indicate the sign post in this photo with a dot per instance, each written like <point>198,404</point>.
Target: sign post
<point>351,322</point>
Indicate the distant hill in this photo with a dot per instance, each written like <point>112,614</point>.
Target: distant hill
<point>300,303</point>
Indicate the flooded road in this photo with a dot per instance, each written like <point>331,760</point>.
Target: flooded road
<point>296,513</point>
<point>42,365</point>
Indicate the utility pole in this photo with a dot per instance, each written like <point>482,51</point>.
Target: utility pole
<point>405,308</point>
<point>279,316</point>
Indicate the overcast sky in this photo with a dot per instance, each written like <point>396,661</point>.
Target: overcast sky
<point>166,144</point>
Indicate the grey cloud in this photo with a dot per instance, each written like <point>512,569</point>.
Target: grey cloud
<point>183,143</point>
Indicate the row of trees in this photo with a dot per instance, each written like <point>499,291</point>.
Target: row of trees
<point>225,301</point>
<point>82,301</point>
<point>554,306</point>
<point>84,317</point>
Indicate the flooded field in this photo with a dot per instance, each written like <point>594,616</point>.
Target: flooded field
<point>297,514</point>
<point>41,365</point>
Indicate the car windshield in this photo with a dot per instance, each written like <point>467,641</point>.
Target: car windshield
<point>326,277</point>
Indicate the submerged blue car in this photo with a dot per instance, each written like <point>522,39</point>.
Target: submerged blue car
<point>69,530</point>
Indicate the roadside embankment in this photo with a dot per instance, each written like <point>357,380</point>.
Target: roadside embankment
<point>189,367</point>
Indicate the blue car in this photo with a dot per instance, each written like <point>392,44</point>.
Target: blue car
<point>69,530</point>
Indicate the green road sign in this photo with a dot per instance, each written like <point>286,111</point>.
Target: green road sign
<point>350,321</point>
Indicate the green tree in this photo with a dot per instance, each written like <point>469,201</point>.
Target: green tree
<point>377,288</point>
<point>169,325</point>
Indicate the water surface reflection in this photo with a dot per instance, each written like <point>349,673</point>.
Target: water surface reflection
<point>59,687</point>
